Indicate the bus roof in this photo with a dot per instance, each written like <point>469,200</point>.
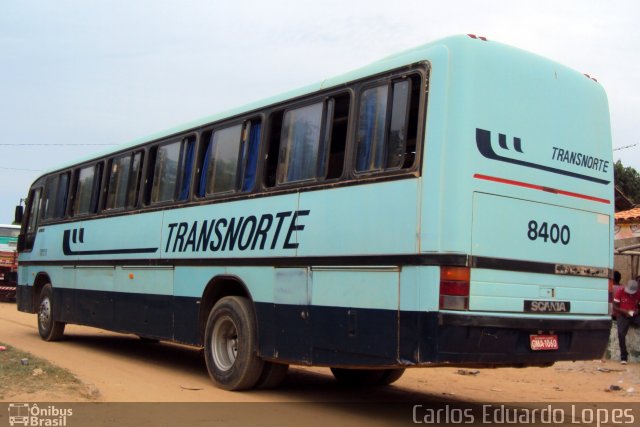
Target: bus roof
<point>396,60</point>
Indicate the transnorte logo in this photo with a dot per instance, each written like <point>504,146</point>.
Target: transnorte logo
<point>517,156</point>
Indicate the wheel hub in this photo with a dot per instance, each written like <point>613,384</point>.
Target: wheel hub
<point>44,315</point>
<point>224,343</point>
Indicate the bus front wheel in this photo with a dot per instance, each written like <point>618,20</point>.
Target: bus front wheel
<point>48,328</point>
<point>230,345</point>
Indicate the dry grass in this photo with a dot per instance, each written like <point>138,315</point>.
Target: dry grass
<point>38,379</point>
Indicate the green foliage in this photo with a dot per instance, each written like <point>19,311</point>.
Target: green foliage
<point>627,179</point>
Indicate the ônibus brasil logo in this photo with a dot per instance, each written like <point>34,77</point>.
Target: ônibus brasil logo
<point>27,414</point>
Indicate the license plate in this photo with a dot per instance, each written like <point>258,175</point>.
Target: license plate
<point>543,342</point>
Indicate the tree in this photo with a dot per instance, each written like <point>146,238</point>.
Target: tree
<point>627,179</point>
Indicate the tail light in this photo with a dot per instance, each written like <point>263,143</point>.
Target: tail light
<point>454,288</point>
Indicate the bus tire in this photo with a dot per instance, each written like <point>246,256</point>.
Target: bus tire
<point>48,328</point>
<point>390,376</point>
<point>358,377</point>
<point>230,345</point>
<point>272,375</point>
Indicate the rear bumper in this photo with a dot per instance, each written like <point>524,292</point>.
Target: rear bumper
<point>493,340</point>
<point>7,292</point>
<point>8,281</point>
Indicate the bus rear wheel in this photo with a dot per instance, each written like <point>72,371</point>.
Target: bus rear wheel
<point>48,328</point>
<point>272,375</point>
<point>230,345</point>
<point>366,377</point>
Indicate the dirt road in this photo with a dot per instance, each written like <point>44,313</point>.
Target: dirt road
<point>121,368</point>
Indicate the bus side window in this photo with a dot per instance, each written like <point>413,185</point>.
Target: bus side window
<point>387,126</point>
<point>187,161</point>
<point>336,132</point>
<point>50,186</point>
<point>251,142</point>
<point>133,185</point>
<point>221,170</point>
<point>63,194</point>
<point>87,189</point>
<point>171,171</point>
<point>229,159</point>
<point>123,181</point>
<point>309,142</point>
<point>300,144</point>
<point>34,203</point>
<point>271,160</point>
<point>55,196</point>
<point>117,184</point>
<point>34,209</point>
<point>165,174</point>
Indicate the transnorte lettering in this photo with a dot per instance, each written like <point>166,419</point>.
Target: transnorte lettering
<point>580,159</point>
<point>244,233</point>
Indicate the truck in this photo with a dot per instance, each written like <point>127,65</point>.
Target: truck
<point>8,261</point>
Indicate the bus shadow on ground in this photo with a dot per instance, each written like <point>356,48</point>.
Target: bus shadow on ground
<point>163,354</point>
<point>300,384</point>
<point>308,393</point>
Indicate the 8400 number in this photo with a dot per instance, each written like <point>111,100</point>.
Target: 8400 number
<point>549,232</point>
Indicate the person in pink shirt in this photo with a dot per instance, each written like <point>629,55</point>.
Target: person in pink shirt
<point>626,304</point>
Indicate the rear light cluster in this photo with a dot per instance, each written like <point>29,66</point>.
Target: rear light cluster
<point>454,288</point>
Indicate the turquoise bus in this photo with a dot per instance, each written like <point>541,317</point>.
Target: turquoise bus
<point>447,205</point>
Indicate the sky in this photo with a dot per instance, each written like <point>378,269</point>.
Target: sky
<point>77,77</point>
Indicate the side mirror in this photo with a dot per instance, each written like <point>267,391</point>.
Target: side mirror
<point>19,214</point>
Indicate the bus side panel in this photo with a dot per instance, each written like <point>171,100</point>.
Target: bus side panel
<point>354,315</point>
<point>368,219</point>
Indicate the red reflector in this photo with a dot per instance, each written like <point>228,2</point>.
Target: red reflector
<point>473,36</point>
<point>454,288</point>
